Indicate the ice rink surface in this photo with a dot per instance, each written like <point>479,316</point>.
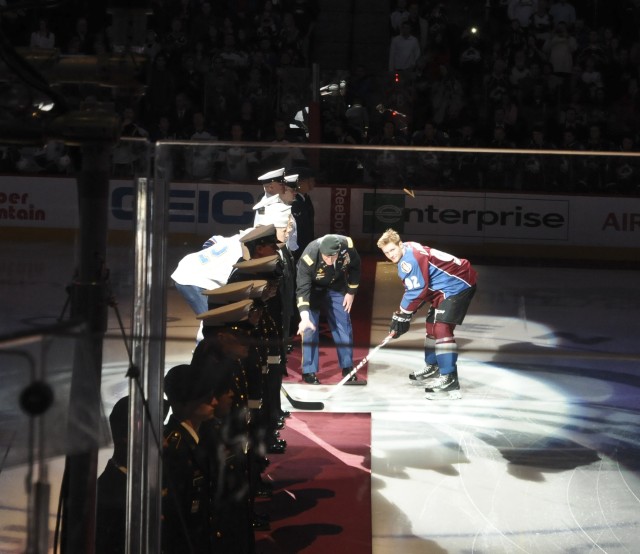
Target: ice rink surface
<point>541,454</point>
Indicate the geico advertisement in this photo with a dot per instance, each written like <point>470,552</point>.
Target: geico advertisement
<point>195,208</point>
<point>192,208</point>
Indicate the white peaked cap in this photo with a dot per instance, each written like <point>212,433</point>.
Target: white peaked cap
<point>275,175</point>
<point>277,214</point>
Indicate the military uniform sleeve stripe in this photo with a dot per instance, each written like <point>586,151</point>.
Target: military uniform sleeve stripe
<point>307,260</point>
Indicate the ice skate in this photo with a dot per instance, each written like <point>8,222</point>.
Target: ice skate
<point>445,387</point>
<point>419,376</point>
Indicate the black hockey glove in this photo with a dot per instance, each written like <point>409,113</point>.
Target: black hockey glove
<point>400,322</point>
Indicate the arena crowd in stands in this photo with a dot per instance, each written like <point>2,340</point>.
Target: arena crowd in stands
<point>533,74</point>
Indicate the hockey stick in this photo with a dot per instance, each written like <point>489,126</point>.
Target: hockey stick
<point>302,404</point>
<point>360,365</point>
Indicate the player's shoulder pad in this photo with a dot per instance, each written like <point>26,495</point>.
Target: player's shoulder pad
<point>307,260</point>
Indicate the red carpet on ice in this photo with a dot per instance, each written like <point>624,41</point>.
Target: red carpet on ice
<point>322,487</point>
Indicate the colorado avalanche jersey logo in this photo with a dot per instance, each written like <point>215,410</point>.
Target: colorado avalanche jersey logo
<point>405,266</point>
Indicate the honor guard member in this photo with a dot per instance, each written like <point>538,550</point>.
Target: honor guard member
<point>227,440</point>
<point>328,276</point>
<point>279,215</point>
<point>264,265</point>
<point>207,269</point>
<point>288,197</point>
<point>111,520</point>
<point>229,294</point>
<point>255,363</point>
<point>448,284</point>
<point>188,491</point>
<point>273,184</point>
<point>302,209</point>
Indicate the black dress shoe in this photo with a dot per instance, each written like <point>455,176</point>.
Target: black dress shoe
<point>310,378</point>
<point>346,371</point>
<point>264,490</point>
<point>260,523</point>
<point>276,448</point>
<point>263,463</point>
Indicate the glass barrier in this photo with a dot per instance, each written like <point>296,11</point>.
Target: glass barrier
<point>478,203</point>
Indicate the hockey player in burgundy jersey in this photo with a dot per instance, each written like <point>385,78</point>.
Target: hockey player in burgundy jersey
<point>448,284</point>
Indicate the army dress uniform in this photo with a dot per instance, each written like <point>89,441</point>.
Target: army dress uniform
<point>187,493</point>
<point>269,268</point>
<point>323,286</point>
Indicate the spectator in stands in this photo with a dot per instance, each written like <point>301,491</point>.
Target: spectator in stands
<point>267,23</point>
<point>357,117</point>
<point>161,130</point>
<point>278,154</point>
<point>515,41</point>
<point>562,11</point>
<point>447,98</point>
<point>541,23</point>
<point>538,171</point>
<point>496,83</point>
<point>386,167</point>
<point>129,156</point>
<point>404,52</point>
<point>520,73</point>
<point>596,170</point>
<point>161,89</point>
<point>191,80</point>
<point>430,169</point>
<point>560,48</point>
<point>624,175</point>
<point>521,11</point>
<point>175,43</point>
<point>42,37</point>
<point>251,126</point>
<point>81,40</point>
<point>290,38</point>
<point>593,49</point>
<point>570,169</point>
<point>590,75</point>
<point>499,169</point>
<point>233,56</point>
<point>398,16</point>
<point>200,159</point>
<point>419,25</point>
<point>237,164</point>
<point>203,19</point>
<point>152,46</point>
<point>466,165</point>
<point>182,116</point>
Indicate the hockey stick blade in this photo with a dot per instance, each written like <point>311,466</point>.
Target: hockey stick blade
<point>302,404</point>
<point>360,365</point>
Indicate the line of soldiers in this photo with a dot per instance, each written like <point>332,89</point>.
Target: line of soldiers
<point>213,478</point>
